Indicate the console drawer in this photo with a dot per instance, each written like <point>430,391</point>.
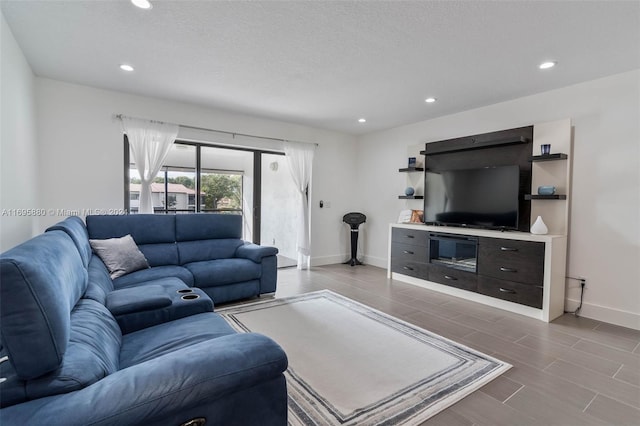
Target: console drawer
<point>511,260</point>
<point>409,252</point>
<point>524,294</point>
<point>409,236</point>
<point>411,268</point>
<point>453,277</point>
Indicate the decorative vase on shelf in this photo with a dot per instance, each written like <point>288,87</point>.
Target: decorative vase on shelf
<point>539,227</point>
<point>409,191</point>
<point>546,190</point>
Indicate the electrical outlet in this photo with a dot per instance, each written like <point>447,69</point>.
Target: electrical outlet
<point>576,281</point>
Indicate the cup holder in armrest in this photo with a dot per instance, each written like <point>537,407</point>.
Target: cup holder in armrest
<point>185,290</point>
<point>190,297</point>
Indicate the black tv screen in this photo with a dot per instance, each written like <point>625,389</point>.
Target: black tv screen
<point>484,197</point>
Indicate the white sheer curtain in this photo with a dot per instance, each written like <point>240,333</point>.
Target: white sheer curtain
<point>150,142</point>
<point>300,159</point>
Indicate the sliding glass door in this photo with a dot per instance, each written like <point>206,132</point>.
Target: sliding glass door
<point>201,178</point>
<point>279,214</point>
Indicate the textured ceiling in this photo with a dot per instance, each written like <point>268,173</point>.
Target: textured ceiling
<point>326,64</point>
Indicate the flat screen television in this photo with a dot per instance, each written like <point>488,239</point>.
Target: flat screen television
<point>486,197</point>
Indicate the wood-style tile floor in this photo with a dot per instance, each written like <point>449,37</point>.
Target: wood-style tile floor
<point>574,371</point>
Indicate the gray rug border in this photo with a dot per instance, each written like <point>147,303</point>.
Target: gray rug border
<point>415,413</point>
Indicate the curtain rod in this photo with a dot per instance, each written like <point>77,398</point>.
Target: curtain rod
<point>233,134</point>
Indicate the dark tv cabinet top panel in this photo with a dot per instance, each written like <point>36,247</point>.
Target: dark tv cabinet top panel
<point>518,135</point>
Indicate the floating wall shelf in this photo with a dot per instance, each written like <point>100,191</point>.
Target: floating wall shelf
<point>549,157</point>
<point>411,197</point>
<point>412,169</point>
<point>545,197</point>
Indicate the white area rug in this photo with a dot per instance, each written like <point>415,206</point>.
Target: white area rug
<point>350,364</point>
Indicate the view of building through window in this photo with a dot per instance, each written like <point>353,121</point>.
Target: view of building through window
<point>174,190</point>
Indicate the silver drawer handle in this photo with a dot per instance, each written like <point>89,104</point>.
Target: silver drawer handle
<point>407,252</point>
<point>199,421</point>
<point>507,290</point>
<point>449,277</point>
<point>410,236</point>
<point>408,268</point>
<point>508,249</point>
<point>508,270</point>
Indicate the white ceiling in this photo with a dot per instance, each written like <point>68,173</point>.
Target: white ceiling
<point>325,63</point>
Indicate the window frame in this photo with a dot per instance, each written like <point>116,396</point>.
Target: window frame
<point>257,179</point>
<point>198,171</point>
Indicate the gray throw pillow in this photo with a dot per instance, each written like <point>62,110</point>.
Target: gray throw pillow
<point>120,255</point>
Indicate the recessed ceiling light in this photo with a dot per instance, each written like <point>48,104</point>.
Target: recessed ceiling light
<point>430,100</point>
<point>142,4</point>
<point>125,67</point>
<point>362,120</point>
<point>546,65</point>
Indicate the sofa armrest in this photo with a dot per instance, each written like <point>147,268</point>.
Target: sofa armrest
<point>255,252</point>
<point>137,299</point>
<point>162,390</point>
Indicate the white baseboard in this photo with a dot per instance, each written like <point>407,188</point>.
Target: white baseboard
<point>329,260</point>
<point>380,262</point>
<point>341,258</point>
<point>606,314</point>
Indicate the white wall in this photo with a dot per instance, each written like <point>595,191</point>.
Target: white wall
<point>81,153</point>
<point>18,149</point>
<point>604,235</point>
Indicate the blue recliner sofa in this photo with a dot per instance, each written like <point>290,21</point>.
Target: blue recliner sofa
<point>163,357</point>
<point>202,250</point>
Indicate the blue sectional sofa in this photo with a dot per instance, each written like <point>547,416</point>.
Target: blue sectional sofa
<point>78,348</point>
<point>202,250</point>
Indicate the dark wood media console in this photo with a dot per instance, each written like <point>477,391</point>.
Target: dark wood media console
<point>517,271</point>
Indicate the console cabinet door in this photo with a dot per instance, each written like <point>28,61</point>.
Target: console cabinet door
<point>524,294</point>
<point>512,260</point>
<point>409,236</point>
<point>409,252</point>
<point>411,268</point>
<point>452,277</point>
